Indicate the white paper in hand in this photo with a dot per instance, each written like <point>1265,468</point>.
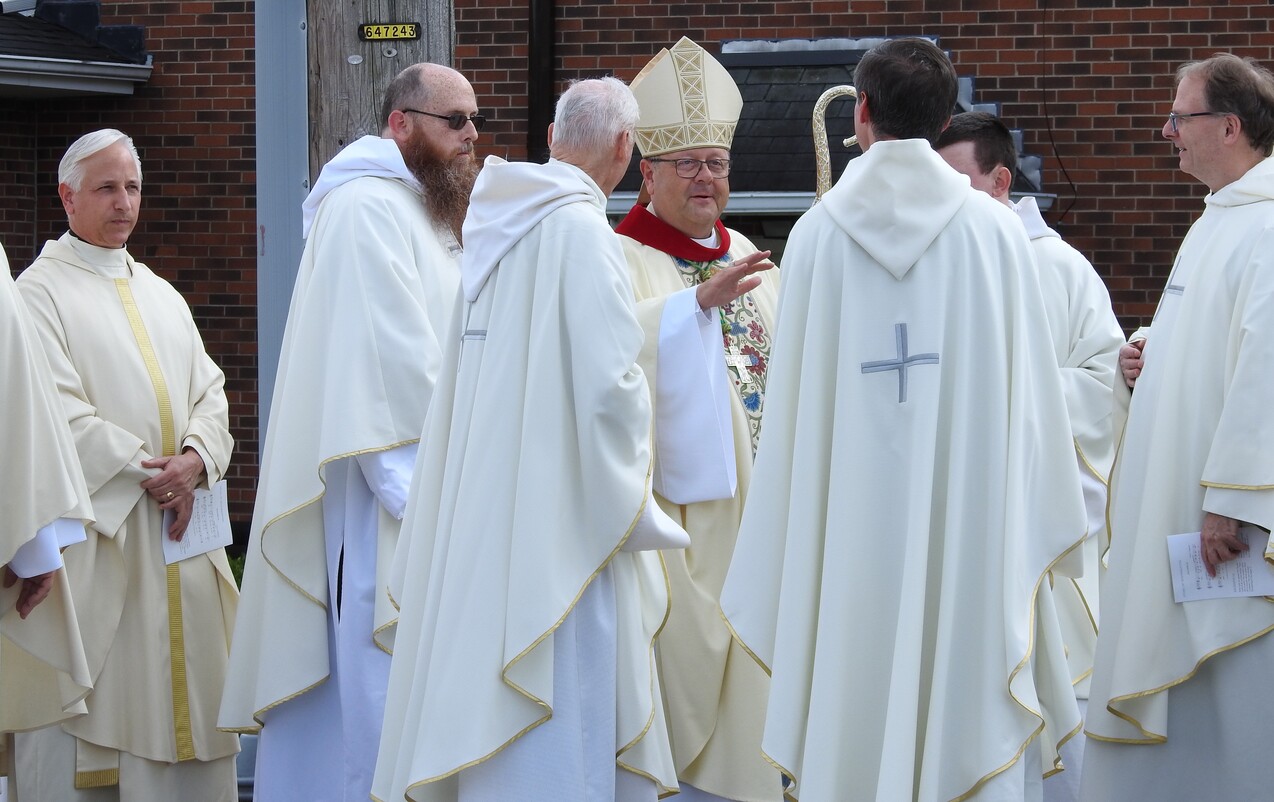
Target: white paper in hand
<point>209,526</point>
<point>1245,575</point>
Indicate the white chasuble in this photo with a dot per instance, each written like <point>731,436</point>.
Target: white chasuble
<point>1199,438</point>
<point>714,693</point>
<point>536,471</point>
<point>919,482</point>
<point>1086,339</point>
<point>135,382</point>
<point>43,671</point>
<point>373,299</point>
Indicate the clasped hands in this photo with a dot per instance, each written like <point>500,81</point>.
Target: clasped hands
<point>174,486</point>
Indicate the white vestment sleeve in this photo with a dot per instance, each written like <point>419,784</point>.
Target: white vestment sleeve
<point>694,443</point>
<point>69,531</point>
<point>655,530</point>
<point>388,474</point>
<point>39,555</point>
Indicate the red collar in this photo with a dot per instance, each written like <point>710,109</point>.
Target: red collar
<point>647,229</point>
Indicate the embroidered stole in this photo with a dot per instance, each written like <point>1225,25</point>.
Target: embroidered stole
<point>747,343</point>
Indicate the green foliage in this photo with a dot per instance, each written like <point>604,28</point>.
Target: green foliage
<point>236,566</point>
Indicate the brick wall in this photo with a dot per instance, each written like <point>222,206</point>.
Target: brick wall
<point>193,124</point>
<point>1089,81</point>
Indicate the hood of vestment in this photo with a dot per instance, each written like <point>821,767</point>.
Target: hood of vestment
<point>1028,211</point>
<point>509,199</point>
<point>366,156</point>
<point>1256,185</point>
<point>895,199</point>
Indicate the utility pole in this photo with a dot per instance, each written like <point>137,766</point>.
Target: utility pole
<point>355,48</point>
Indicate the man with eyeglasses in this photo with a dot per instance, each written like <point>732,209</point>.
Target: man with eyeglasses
<point>1178,709</point>
<point>372,303</point>
<point>706,300</point>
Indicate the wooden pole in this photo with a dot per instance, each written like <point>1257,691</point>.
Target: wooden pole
<point>348,76</point>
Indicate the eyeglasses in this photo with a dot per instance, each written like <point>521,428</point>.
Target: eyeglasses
<point>689,168</point>
<point>1174,118</point>
<point>455,121</point>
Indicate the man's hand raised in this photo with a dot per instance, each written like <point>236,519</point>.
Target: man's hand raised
<point>730,282</point>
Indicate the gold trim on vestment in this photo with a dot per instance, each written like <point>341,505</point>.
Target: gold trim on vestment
<point>102,778</point>
<point>162,399</point>
<point>654,669</point>
<point>1030,649</point>
<point>257,715</point>
<point>1058,766</point>
<point>1220,486</point>
<point>387,626</point>
<point>322,480</point>
<point>183,734</point>
<point>1105,480</point>
<point>182,731</point>
<point>504,672</point>
<point>1153,738</point>
<point>1088,611</point>
<point>742,645</point>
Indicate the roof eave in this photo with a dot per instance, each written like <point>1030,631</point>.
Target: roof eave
<point>29,76</point>
<point>773,204</point>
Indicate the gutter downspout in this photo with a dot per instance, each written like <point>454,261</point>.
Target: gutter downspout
<point>541,59</point>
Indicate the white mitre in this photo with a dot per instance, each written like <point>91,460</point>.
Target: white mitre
<point>687,100</point>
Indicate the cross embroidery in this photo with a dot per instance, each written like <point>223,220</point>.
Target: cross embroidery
<point>740,362</point>
<point>902,362</point>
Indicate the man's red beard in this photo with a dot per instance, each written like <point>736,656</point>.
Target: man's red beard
<point>446,181</point>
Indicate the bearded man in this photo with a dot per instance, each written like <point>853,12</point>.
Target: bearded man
<point>361,351</point>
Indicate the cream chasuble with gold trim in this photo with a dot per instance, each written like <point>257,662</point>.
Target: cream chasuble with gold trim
<point>43,672</point>
<point>714,694</point>
<point>136,382</point>
<point>1200,437</point>
<point>536,476</point>
<point>374,298</point>
<point>914,484</point>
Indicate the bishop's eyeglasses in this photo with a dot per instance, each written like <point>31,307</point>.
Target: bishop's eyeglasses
<point>455,121</point>
<point>689,168</point>
<point>1174,119</point>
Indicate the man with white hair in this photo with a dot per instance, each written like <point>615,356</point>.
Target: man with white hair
<point>372,302</point>
<point>150,422</point>
<point>523,664</point>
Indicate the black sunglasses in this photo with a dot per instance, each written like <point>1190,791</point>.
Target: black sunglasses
<point>455,121</point>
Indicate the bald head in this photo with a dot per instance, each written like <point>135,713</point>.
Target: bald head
<point>417,85</point>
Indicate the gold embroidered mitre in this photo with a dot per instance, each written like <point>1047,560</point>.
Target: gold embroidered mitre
<point>687,100</point>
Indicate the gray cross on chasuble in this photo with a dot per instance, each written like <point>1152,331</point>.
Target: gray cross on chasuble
<point>901,362</point>
<point>747,343</point>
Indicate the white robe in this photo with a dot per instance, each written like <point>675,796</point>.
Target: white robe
<point>44,505</point>
<point>1086,340</point>
<point>888,575</point>
<point>1177,687</point>
<point>714,693</point>
<point>374,295</point>
<point>536,478</point>
<point>135,382</point>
